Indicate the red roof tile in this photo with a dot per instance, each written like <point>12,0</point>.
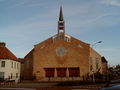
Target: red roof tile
<point>5,53</point>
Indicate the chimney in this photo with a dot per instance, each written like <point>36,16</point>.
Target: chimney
<point>2,44</point>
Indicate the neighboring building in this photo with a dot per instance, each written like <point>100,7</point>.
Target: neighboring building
<point>27,66</point>
<point>9,64</point>
<point>60,58</point>
<point>97,65</point>
<point>114,72</point>
<point>104,66</point>
<point>95,62</point>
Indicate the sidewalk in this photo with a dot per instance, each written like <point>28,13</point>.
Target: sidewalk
<point>49,85</point>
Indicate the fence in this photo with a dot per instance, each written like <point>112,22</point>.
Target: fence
<point>7,83</point>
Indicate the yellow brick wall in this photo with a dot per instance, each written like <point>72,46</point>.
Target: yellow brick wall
<point>45,56</point>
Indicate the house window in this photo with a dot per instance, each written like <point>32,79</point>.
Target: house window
<point>2,75</point>
<point>3,64</point>
<point>15,65</point>
<point>11,64</point>
<point>11,75</point>
<point>61,72</point>
<point>16,75</point>
<point>74,72</point>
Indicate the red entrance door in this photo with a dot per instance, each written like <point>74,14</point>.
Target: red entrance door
<point>49,72</point>
<point>61,72</point>
<point>74,72</point>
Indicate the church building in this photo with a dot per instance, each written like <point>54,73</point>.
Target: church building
<point>59,58</point>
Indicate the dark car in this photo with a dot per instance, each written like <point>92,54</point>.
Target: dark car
<point>113,85</point>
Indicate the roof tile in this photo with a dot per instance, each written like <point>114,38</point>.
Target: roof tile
<point>5,53</point>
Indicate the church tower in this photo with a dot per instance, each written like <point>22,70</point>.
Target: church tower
<point>61,23</point>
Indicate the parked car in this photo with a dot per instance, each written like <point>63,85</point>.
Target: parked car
<point>113,85</point>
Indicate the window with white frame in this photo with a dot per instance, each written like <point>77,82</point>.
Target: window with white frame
<point>16,75</point>
<point>17,65</point>
<point>11,76</point>
<point>2,74</point>
<point>3,64</point>
<point>12,64</point>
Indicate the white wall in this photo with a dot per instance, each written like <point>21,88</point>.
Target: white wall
<point>8,69</point>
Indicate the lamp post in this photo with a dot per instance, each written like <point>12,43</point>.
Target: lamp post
<point>93,67</point>
<point>96,43</point>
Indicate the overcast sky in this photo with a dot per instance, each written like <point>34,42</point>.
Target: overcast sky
<point>25,23</point>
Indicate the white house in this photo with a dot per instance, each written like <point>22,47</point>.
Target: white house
<point>9,64</point>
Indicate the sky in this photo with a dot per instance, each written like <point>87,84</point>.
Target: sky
<point>25,23</point>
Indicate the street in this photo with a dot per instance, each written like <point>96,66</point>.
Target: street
<point>48,86</point>
<point>59,88</point>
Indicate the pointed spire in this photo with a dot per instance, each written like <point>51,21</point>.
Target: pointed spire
<point>61,23</point>
<point>61,14</point>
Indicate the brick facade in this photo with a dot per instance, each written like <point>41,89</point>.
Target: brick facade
<point>45,56</point>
